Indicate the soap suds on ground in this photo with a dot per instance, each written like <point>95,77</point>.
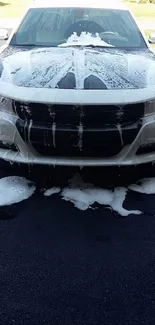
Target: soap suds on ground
<point>84,196</point>
<point>51,191</point>
<point>145,185</point>
<point>14,189</point>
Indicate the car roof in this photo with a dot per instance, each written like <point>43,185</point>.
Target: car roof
<point>107,4</point>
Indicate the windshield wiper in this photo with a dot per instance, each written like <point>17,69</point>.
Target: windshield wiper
<point>85,45</point>
<point>20,44</point>
<point>77,45</point>
<point>33,45</point>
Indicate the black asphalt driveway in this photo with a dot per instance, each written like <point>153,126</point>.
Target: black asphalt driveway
<point>60,265</point>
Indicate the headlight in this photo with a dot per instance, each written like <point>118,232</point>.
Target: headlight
<point>6,105</point>
<point>1,67</point>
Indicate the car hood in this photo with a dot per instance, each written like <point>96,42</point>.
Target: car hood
<point>77,68</point>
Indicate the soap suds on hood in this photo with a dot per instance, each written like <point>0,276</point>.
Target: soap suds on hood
<point>14,189</point>
<point>91,68</point>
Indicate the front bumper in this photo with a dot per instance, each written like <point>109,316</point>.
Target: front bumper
<point>25,153</point>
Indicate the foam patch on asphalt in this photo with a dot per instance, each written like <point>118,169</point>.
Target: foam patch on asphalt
<point>84,196</point>
<point>145,185</point>
<point>14,189</point>
<point>51,191</point>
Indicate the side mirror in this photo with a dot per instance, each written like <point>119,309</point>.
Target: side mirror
<point>3,34</point>
<point>152,38</point>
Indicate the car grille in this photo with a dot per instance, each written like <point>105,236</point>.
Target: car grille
<point>105,128</point>
<point>90,116</point>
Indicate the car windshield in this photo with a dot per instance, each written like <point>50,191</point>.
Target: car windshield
<point>78,27</point>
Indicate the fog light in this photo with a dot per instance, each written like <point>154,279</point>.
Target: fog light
<point>8,146</point>
<point>146,148</point>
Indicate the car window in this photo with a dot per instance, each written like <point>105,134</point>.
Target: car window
<point>54,26</point>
